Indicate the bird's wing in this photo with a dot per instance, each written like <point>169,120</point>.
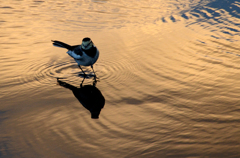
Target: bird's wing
<point>76,53</point>
<point>77,50</point>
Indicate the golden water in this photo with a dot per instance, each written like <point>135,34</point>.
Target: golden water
<point>168,70</point>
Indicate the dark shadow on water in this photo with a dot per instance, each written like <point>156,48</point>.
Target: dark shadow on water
<point>88,95</point>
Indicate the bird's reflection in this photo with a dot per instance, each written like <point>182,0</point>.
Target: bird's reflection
<point>88,95</point>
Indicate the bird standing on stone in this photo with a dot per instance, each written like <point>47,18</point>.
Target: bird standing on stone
<point>85,54</point>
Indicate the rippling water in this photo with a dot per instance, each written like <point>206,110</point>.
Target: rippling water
<point>168,70</point>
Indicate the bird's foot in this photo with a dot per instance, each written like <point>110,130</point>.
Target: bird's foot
<point>96,79</point>
<point>83,75</point>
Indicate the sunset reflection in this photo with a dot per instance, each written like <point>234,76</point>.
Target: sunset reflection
<point>169,72</point>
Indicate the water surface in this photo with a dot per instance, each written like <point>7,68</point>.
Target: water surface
<point>168,70</point>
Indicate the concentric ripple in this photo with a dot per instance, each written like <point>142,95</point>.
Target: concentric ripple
<point>168,70</point>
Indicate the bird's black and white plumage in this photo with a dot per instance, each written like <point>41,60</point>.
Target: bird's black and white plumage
<point>85,54</point>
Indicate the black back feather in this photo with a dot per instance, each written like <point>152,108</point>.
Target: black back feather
<point>61,44</point>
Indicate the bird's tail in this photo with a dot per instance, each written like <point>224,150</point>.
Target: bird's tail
<point>62,45</point>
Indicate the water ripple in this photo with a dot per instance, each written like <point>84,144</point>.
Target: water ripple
<point>169,72</point>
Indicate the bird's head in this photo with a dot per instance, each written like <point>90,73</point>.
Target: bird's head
<point>87,43</point>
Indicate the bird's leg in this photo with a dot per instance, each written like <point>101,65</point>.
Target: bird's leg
<point>82,82</point>
<point>95,77</point>
<point>94,83</point>
<point>82,70</point>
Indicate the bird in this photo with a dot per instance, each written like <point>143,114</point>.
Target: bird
<point>85,54</point>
